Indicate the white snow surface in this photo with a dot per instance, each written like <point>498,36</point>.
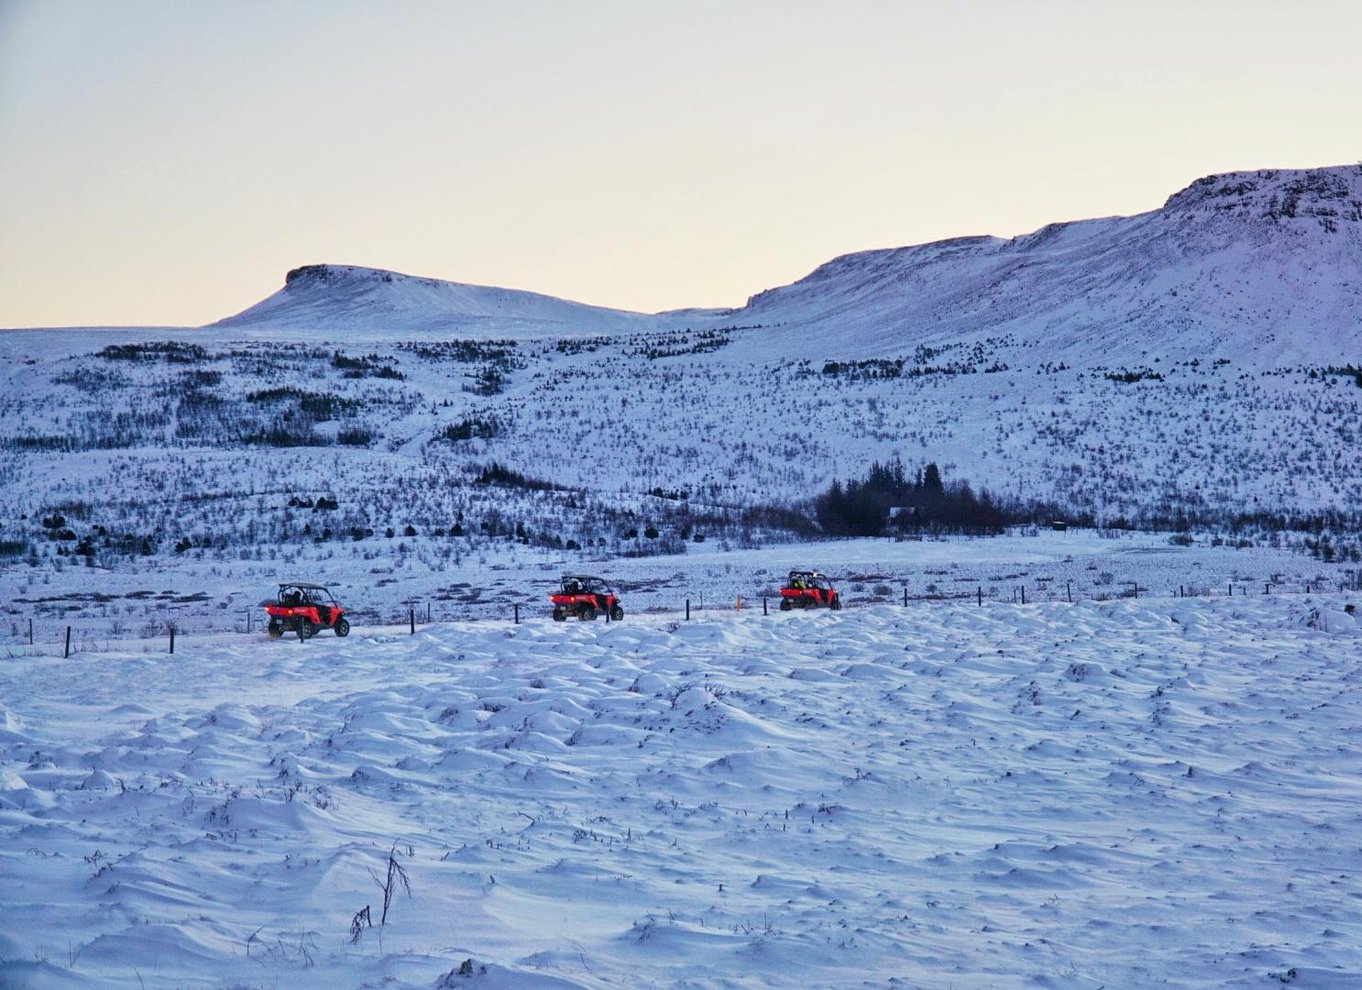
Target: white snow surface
<point>1124,793</point>
<point>349,297</point>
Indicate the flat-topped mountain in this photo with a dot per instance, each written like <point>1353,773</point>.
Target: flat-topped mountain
<point>1262,266</point>
<point>370,300</point>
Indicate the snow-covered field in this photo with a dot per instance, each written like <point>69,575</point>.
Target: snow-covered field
<point>202,592</point>
<point>1084,759</point>
<point>1119,793</point>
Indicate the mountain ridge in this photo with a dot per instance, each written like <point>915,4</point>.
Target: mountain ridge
<point>1173,268</point>
<point>356,298</point>
<point>1249,264</point>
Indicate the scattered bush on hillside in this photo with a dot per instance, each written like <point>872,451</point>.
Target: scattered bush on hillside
<point>285,436</point>
<point>476,428</point>
<point>1137,375</point>
<point>170,351</point>
<point>317,406</point>
<point>369,366</point>
<point>488,381</point>
<point>497,474</point>
<point>354,437</point>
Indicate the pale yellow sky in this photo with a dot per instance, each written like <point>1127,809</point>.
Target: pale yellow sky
<point>165,163</point>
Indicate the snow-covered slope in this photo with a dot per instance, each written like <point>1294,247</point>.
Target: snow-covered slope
<point>1261,266</point>
<point>1196,366</point>
<point>346,298</point>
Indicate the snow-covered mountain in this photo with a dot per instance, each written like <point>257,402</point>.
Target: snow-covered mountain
<point>370,300</point>
<point>1263,267</point>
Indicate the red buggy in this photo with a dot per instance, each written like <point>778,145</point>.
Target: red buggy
<point>808,589</point>
<point>304,609</point>
<point>585,597</point>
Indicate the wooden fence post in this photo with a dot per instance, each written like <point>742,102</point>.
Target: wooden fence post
<point>517,613</point>
<point>687,609</point>
<point>981,596</point>
<point>413,621</point>
<point>172,639</point>
<point>68,643</point>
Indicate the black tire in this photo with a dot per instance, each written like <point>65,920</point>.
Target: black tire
<point>306,630</point>
<point>342,626</point>
<point>836,605</point>
<point>275,629</point>
<point>785,605</point>
<point>617,613</point>
<point>586,612</point>
<point>559,615</point>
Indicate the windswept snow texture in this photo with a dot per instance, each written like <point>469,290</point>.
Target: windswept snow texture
<point>1121,794</point>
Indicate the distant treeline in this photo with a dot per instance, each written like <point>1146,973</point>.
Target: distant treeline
<point>890,500</point>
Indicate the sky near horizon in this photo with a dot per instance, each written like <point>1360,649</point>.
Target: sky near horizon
<point>166,163</point>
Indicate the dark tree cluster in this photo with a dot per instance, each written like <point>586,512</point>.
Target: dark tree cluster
<point>888,500</point>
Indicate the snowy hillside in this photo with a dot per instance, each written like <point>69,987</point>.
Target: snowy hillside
<point>345,298</point>
<point>1122,794</point>
<point>1263,268</point>
<point>1194,368</point>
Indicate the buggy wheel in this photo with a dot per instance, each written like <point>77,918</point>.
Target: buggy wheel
<point>617,613</point>
<point>275,629</point>
<point>836,605</point>
<point>306,630</point>
<point>559,615</point>
<point>342,626</point>
<point>785,605</point>
<point>586,612</point>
